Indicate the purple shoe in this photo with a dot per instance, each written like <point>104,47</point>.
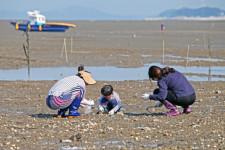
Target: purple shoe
<point>173,112</point>
<point>173,109</point>
<point>186,110</point>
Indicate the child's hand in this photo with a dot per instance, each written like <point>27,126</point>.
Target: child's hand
<point>145,96</point>
<point>101,109</point>
<point>111,112</point>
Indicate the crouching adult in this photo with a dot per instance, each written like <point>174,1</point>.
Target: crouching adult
<point>174,89</point>
<point>68,93</point>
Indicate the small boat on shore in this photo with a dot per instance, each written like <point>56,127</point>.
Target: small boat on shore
<point>37,22</point>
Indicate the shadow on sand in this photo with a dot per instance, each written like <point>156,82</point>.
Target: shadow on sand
<point>143,114</point>
<point>43,115</point>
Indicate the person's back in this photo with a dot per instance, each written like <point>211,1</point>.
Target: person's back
<point>177,83</point>
<point>66,84</point>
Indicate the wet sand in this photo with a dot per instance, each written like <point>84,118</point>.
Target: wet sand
<point>27,123</point>
<point>116,43</point>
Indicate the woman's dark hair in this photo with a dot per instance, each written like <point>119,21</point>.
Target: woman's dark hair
<point>81,68</point>
<point>158,73</point>
<point>107,90</point>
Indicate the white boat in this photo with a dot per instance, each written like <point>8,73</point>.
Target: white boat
<point>37,22</point>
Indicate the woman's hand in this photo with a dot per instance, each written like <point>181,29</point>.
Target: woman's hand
<point>159,104</point>
<point>145,96</point>
<point>87,102</point>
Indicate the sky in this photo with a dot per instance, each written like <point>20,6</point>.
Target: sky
<point>118,7</point>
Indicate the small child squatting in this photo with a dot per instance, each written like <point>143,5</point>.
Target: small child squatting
<point>110,101</point>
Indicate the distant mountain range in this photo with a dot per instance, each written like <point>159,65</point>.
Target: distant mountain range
<point>82,13</point>
<point>187,12</point>
<point>70,13</point>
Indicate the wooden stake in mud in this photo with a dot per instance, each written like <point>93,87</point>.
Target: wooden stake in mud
<point>26,48</point>
<point>187,56</point>
<point>71,45</point>
<point>204,40</point>
<point>163,50</point>
<point>209,48</point>
<point>64,47</point>
<point>210,54</point>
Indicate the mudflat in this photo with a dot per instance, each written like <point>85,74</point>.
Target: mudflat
<point>27,123</point>
<point>116,43</point>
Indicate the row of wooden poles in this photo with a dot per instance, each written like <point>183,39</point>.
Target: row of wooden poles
<point>26,48</point>
<point>188,49</point>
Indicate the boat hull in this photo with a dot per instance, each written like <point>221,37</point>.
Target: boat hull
<point>42,28</point>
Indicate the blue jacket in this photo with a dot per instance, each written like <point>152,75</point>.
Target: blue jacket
<point>114,102</point>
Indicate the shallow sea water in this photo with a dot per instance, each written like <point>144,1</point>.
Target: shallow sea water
<point>109,73</point>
